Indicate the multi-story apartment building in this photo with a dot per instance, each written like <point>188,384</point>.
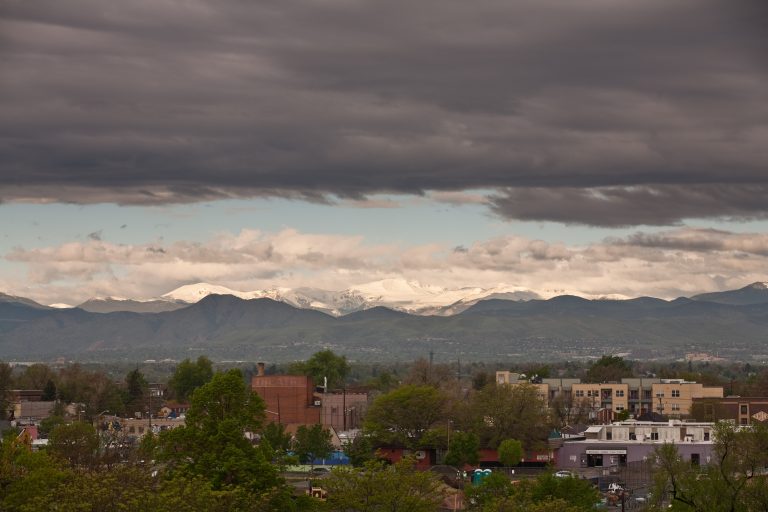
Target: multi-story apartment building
<point>640,394</point>
<point>548,389</point>
<point>670,397</point>
<point>609,395</point>
<point>674,397</point>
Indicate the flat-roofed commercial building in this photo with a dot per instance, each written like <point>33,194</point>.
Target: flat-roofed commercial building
<point>674,397</point>
<point>621,443</point>
<point>742,410</point>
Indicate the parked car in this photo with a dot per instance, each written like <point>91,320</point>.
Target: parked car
<point>566,474</point>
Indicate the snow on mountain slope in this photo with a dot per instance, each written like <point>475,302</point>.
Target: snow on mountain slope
<point>395,293</point>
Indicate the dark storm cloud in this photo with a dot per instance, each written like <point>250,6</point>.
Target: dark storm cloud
<point>606,113</point>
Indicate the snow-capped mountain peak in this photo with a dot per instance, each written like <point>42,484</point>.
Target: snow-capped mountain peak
<point>198,291</point>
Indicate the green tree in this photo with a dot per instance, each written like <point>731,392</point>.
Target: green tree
<point>35,376</point>
<point>385,382</point>
<point>510,452</point>
<point>501,411</point>
<point>49,391</point>
<point>608,369</point>
<point>733,481</point>
<point>278,439</point>
<point>137,390</point>
<point>359,450</point>
<point>464,449</point>
<point>378,487</point>
<point>212,445</point>
<point>322,365</point>
<point>312,443</point>
<point>76,443</point>
<point>27,477</point>
<point>48,424</point>
<point>405,415</point>
<point>94,389</point>
<point>544,494</point>
<point>189,376</point>
<point>6,383</point>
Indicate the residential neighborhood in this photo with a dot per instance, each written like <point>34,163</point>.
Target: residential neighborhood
<point>609,435</point>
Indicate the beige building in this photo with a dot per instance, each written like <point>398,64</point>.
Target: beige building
<point>638,395</point>
<point>674,397</point>
<point>547,389</point>
<point>613,396</point>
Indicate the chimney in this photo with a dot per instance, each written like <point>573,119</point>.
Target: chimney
<point>259,369</point>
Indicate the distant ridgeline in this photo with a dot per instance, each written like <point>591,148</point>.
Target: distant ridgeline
<point>732,325</point>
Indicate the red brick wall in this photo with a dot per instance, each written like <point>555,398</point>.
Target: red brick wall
<point>289,398</point>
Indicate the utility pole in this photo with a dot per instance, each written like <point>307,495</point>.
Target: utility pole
<point>150,408</point>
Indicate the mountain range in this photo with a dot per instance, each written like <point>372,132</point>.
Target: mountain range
<point>732,324</point>
<point>398,294</point>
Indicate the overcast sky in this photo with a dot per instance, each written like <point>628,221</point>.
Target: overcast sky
<point>604,146</point>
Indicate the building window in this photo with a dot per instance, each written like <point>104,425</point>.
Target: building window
<point>619,392</point>
<point>706,436</point>
<point>619,408</point>
<point>634,394</point>
<point>660,394</point>
<point>744,421</point>
<point>744,409</point>
<point>654,436</point>
<point>579,392</point>
<point>675,393</point>
<point>647,394</point>
<point>675,407</point>
<point>608,435</point>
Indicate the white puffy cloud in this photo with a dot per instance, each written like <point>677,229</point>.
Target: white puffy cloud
<point>665,264</point>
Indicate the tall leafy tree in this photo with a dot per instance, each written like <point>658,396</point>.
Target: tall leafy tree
<point>403,416</point>
<point>464,449</point>
<point>35,376</point>
<point>324,364</point>
<point>733,480</point>
<point>608,369</point>
<point>359,450</point>
<point>213,444</point>
<point>190,375</point>
<point>499,412</point>
<point>510,452</point>
<point>312,442</point>
<point>76,443</point>
<point>278,439</point>
<point>6,383</point>
<point>378,487</point>
<point>49,391</point>
<point>137,391</point>
<point>544,494</point>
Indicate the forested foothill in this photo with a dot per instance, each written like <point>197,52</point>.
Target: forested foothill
<point>228,455</point>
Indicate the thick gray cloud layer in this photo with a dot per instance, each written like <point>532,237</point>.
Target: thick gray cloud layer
<point>600,112</point>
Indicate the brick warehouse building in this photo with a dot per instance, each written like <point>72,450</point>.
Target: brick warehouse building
<point>742,410</point>
<point>290,399</point>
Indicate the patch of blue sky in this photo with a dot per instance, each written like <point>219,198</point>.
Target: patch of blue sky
<point>385,219</point>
